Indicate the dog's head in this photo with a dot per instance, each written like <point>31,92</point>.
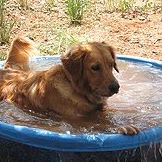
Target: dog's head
<point>90,68</point>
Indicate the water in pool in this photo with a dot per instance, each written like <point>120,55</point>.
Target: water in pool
<point>138,102</point>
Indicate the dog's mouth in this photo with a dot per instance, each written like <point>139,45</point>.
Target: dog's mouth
<point>101,93</point>
<point>109,94</point>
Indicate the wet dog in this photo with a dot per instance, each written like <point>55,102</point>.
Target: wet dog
<point>76,87</point>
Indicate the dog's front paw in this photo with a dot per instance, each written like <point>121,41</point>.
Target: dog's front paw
<point>129,130</point>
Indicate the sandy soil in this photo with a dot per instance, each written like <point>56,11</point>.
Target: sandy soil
<point>132,34</point>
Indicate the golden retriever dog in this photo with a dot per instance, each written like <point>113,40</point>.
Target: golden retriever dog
<point>76,87</point>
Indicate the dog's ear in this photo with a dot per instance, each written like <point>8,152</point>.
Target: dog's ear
<point>111,50</point>
<point>114,57</point>
<point>73,62</point>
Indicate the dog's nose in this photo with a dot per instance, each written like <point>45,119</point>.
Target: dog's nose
<point>114,87</point>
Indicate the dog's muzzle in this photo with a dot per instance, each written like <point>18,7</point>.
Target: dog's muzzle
<point>114,87</point>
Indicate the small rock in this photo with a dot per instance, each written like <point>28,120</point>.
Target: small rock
<point>154,52</point>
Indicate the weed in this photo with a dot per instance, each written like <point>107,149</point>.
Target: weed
<point>130,5</point>
<point>2,55</point>
<point>75,10</point>
<point>120,5</point>
<point>2,10</point>
<point>110,5</point>
<point>50,3</point>
<point>47,49</point>
<point>5,31</point>
<point>125,5</point>
<point>6,24</point>
<point>60,40</point>
<point>148,4</point>
<point>65,39</point>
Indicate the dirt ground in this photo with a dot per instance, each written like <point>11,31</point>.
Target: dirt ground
<point>135,33</point>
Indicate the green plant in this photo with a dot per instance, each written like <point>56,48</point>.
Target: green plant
<point>3,55</point>
<point>148,5</point>
<point>50,3</point>
<point>23,3</point>
<point>6,24</point>
<point>160,3</point>
<point>65,39</point>
<point>5,31</point>
<point>110,5</point>
<point>120,5</point>
<point>2,8</point>
<point>75,10</point>
<point>59,41</point>
<point>125,5</point>
<point>47,49</point>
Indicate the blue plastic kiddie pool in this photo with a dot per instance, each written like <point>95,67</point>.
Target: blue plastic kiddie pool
<point>22,143</point>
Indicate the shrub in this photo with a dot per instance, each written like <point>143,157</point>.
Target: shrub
<point>75,10</point>
<point>6,25</point>
<point>125,5</point>
<point>60,39</point>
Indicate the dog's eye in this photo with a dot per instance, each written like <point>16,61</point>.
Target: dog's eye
<point>95,67</point>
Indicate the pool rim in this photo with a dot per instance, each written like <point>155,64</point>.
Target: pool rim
<point>83,142</point>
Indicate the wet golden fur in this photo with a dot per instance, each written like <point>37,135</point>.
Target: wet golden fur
<point>76,87</point>
<point>63,84</point>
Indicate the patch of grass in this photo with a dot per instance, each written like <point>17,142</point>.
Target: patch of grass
<point>2,56</point>
<point>118,5</point>
<point>76,9</point>
<point>51,3</point>
<point>148,4</point>
<point>60,40</point>
<point>65,39</point>
<point>6,24</point>
<point>125,6</point>
<point>5,31</point>
<point>110,5</point>
<point>23,4</point>
<point>47,49</point>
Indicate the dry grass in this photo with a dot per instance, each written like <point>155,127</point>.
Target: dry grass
<point>6,24</point>
<point>131,5</point>
<point>23,4</point>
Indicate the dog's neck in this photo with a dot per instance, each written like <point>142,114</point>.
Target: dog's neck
<point>69,78</point>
